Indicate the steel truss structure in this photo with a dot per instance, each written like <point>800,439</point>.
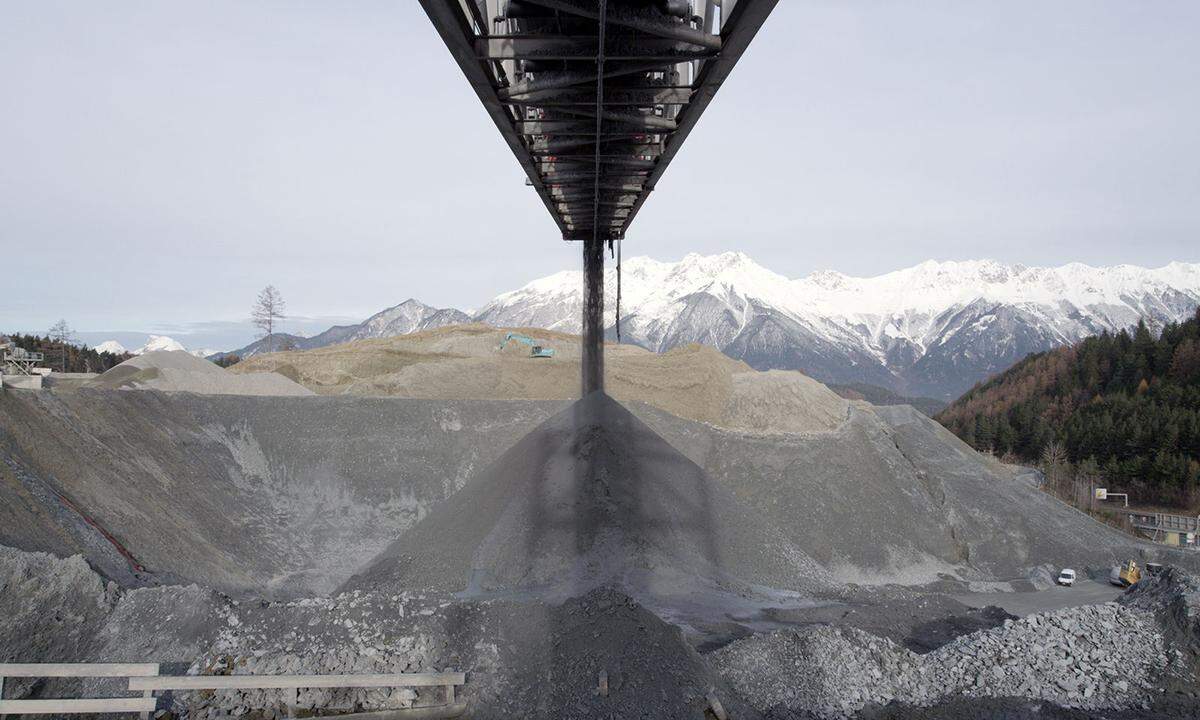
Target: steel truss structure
<point>595,98</point>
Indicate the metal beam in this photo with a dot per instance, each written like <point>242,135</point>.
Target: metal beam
<point>554,147</point>
<point>451,26</point>
<point>601,107</point>
<point>565,79</point>
<point>592,366</point>
<point>666,27</point>
<point>737,30</point>
<point>569,48</point>
<point>651,123</point>
<point>644,97</point>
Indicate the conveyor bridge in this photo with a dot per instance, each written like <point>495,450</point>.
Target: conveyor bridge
<point>595,98</point>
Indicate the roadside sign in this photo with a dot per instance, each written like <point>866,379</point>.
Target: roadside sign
<point>1101,493</point>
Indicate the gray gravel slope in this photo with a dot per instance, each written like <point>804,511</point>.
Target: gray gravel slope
<point>589,497</point>
<point>892,497</point>
<point>269,496</point>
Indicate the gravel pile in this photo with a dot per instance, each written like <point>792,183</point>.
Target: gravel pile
<point>178,371</point>
<point>463,362</point>
<point>1174,597</point>
<point>352,633</point>
<point>1097,656</point>
<point>275,497</point>
<point>521,659</point>
<point>591,497</point>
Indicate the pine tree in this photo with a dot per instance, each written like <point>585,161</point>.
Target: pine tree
<point>1130,403</point>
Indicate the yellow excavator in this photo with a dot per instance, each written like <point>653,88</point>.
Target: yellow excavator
<point>1126,574</point>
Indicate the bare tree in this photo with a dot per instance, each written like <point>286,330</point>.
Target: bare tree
<point>1088,473</point>
<point>62,334</point>
<point>1054,466</point>
<point>268,311</point>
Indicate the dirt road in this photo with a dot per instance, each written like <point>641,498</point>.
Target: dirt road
<point>1084,592</point>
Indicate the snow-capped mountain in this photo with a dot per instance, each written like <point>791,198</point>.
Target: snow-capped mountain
<point>407,317</point>
<point>159,342</point>
<point>111,346</point>
<point>934,329</point>
<point>155,342</point>
<point>931,330</point>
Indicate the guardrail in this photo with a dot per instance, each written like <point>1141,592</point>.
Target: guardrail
<point>77,706</point>
<point>145,677</point>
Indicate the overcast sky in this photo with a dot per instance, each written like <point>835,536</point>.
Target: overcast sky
<point>160,162</point>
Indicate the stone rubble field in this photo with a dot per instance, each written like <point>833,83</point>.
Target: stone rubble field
<point>583,560</point>
<point>1099,656</point>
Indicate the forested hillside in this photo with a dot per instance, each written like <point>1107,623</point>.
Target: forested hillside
<point>1124,407</point>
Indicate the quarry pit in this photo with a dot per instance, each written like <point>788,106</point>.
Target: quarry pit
<point>704,540</point>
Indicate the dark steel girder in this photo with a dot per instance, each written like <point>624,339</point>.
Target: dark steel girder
<point>565,178</point>
<point>590,182</point>
<point>556,146</point>
<point>457,33</point>
<point>641,97</point>
<point>567,78</point>
<point>650,123</point>
<point>737,31</point>
<point>589,164</point>
<point>594,97</point>
<point>583,48</point>
<point>576,127</point>
<point>664,27</point>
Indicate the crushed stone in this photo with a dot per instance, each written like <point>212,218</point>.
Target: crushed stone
<point>1093,656</point>
<point>179,371</point>
<point>591,497</point>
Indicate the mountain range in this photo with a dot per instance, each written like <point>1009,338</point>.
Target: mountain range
<point>931,330</point>
<point>153,344</point>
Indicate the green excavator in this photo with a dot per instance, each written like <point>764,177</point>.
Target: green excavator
<point>535,350</point>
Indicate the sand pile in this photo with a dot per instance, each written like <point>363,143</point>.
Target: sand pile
<point>592,496</point>
<point>178,371</point>
<point>465,362</point>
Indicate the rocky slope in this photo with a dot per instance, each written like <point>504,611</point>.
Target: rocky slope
<point>276,496</point>
<point>408,317</point>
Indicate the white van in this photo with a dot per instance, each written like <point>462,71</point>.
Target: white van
<point>1066,577</point>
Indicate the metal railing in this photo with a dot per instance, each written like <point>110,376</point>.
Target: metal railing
<point>144,677</point>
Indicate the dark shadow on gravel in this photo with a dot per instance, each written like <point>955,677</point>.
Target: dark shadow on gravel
<point>931,635</point>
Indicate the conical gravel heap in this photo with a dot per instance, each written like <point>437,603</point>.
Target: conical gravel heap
<point>592,497</point>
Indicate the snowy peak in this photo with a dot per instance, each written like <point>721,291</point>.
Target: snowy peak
<point>934,328</point>
<point>153,344</point>
<point>407,317</point>
<point>110,346</point>
<point>159,342</point>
